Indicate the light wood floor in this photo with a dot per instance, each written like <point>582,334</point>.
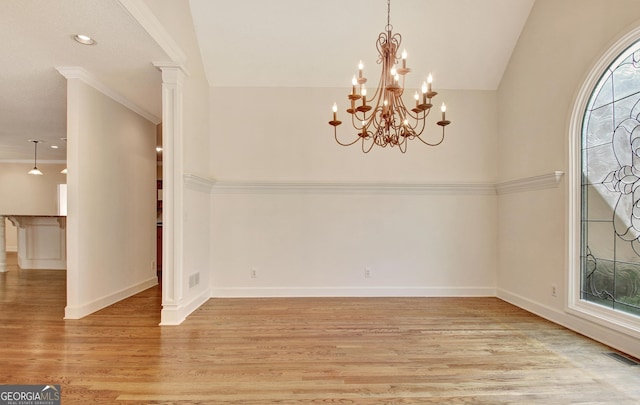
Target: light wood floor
<point>300,351</point>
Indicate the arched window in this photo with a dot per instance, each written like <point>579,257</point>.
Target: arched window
<point>610,211</point>
<point>604,235</point>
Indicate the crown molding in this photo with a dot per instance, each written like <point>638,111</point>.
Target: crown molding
<point>76,72</point>
<point>145,17</point>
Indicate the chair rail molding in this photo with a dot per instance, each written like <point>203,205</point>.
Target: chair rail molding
<point>198,183</point>
<point>548,180</point>
<point>233,187</point>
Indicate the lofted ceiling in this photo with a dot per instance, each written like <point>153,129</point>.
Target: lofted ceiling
<point>466,44</point>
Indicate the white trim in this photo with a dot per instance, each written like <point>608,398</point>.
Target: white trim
<point>241,292</point>
<point>352,188</point>
<point>77,312</point>
<point>198,183</point>
<point>76,72</point>
<point>602,333</point>
<point>605,318</point>
<point>145,17</point>
<point>548,180</point>
<point>173,77</point>
<point>171,65</point>
<point>175,314</point>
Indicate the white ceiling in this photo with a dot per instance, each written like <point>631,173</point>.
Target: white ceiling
<point>466,44</point>
<point>37,37</point>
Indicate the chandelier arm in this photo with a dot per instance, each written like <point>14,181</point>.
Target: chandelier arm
<point>377,117</point>
<point>378,138</point>
<point>367,150</point>
<point>335,134</point>
<point>353,121</point>
<point>405,143</point>
<point>422,122</point>
<point>432,144</point>
<point>417,116</point>
<point>381,82</point>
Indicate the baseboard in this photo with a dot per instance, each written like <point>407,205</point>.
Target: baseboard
<point>80,311</point>
<point>172,315</point>
<point>617,340</point>
<point>246,292</point>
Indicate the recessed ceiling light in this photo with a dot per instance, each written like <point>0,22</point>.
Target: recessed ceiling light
<point>84,39</point>
<point>54,146</point>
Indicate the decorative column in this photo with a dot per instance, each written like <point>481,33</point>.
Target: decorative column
<point>173,75</point>
<point>3,246</point>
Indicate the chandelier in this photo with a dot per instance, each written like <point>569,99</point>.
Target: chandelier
<point>383,119</point>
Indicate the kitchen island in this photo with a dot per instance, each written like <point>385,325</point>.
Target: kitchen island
<point>41,241</point>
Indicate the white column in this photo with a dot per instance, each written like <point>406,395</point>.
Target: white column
<point>173,196</point>
<point>3,245</point>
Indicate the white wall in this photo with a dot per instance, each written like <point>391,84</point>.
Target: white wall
<point>21,193</point>
<point>558,46</point>
<point>310,215</point>
<point>304,242</point>
<point>111,224</point>
<point>282,134</point>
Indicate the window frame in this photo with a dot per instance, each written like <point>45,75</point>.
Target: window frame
<point>575,305</point>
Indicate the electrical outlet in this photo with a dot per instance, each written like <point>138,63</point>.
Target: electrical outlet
<point>254,273</point>
<point>367,272</point>
<point>554,290</point>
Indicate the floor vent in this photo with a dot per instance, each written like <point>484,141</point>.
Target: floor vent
<point>623,359</point>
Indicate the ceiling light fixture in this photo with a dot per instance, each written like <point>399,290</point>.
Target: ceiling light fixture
<point>84,39</point>
<point>389,123</point>
<point>35,169</point>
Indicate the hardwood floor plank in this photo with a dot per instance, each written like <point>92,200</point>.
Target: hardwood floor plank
<point>300,351</point>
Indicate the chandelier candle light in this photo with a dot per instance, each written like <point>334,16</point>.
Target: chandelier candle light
<point>389,122</point>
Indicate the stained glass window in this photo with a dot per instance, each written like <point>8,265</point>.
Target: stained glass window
<point>610,187</point>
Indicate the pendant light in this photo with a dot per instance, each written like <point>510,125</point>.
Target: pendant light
<point>35,169</point>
